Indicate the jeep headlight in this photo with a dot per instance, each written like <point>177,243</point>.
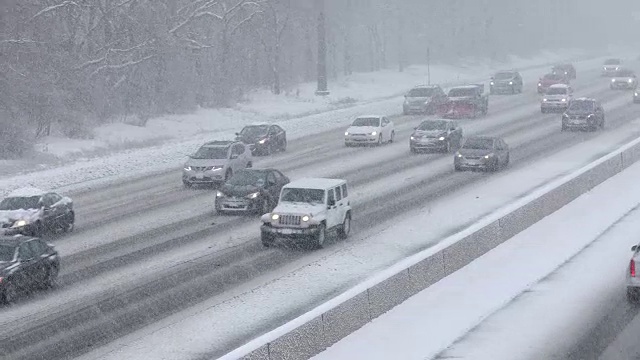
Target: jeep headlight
<point>306,218</point>
<point>20,223</point>
<point>253,195</point>
<point>275,217</point>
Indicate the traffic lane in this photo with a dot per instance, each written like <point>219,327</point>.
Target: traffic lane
<point>411,197</point>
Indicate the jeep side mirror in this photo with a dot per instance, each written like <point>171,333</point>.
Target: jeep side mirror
<point>634,248</point>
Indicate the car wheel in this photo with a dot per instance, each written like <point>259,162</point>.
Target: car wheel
<point>266,207</point>
<point>10,293</point>
<point>632,296</point>
<point>228,175</point>
<point>38,229</point>
<point>318,241</point>
<point>284,146</point>
<point>506,162</point>
<point>187,184</point>
<point>249,165</point>
<point>393,134</point>
<point>544,111</point>
<point>379,140</point>
<point>457,168</point>
<point>70,224</point>
<point>267,239</point>
<point>563,128</point>
<point>268,150</point>
<point>50,279</point>
<point>345,228</point>
<point>448,147</point>
<point>413,150</point>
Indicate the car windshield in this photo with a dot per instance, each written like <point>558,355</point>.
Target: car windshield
<point>553,77</point>
<point>503,76</point>
<point>372,121</point>
<point>421,92</point>
<point>248,178</point>
<point>556,91</point>
<point>208,152</point>
<point>478,144</point>
<point>612,62</point>
<point>581,105</point>
<point>623,73</point>
<point>312,196</point>
<point>255,130</point>
<point>433,125</point>
<point>17,203</point>
<point>462,92</point>
<point>6,253</point>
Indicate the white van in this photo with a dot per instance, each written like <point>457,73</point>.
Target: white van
<point>556,99</point>
<point>309,209</point>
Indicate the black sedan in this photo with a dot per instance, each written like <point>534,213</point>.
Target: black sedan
<point>263,139</point>
<point>251,190</point>
<point>583,113</point>
<point>31,211</point>
<point>438,135</point>
<point>482,153</point>
<point>26,264</point>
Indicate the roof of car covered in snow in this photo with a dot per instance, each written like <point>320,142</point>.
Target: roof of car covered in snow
<point>315,183</point>
<point>26,192</point>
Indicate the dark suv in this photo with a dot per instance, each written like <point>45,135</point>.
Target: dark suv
<point>26,264</point>
<point>263,139</point>
<point>583,113</point>
<point>506,82</point>
<point>423,99</point>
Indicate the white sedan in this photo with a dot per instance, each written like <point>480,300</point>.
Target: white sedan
<point>370,129</point>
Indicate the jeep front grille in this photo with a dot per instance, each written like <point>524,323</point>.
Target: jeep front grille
<point>290,220</point>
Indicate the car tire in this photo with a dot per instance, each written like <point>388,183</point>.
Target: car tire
<point>447,148</point>
<point>267,239</point>
<point>393,135</point>
<point>10,293</point>
<point>38,229</point>
<point>563,128</point>
<point>632,296</point>
<point>345,228</point>
<point>228,175</point>
<point>50,280</point>
<point>379,140</point>
<point>265,207</point>
<point>284,146</point>
<point>319,239</point>
<point>457,168</point>
<point>249,165</point>
<point>413,150</point>
<point>187,184</point>
<point>70,223</point>
<point>544,111</point>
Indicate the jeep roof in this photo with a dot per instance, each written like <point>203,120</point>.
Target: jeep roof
<point>315,183</point>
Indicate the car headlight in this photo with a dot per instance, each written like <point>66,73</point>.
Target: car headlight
<point>346,133</point>
<point>262,141</point>
<point>374,133</point>
<point>630,80</point>
<point>20,223</point>
<point>564,100</point>
<point>539,84</point>
<point>441,138</point>
<point>187,168</point>
<point>510,82</point>
<point>412,138</point>
<point>545,100</point>
<point>635,94</point>
<point>617,68</point>
<point>219,194</point>
<point>491,83</point>
<point>275,216</point>
<point>253,195</point>
<point>488,156</point>
<point>613,80</point>
<point>219,167</point>
<point>306,218</point>
<point>459,155</point>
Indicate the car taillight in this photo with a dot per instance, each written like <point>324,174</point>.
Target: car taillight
<point>632,268</point>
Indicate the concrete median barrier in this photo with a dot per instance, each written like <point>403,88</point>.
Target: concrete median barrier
<point>323,326</point>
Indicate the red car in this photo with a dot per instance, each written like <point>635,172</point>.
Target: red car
<point>551,79</point>
<point>467,101</point>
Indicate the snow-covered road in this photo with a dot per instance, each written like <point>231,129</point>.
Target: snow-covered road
<point>147,249</point>
<point>532,297</point>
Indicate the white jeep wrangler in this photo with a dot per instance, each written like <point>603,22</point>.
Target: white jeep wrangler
<point>308,209</point>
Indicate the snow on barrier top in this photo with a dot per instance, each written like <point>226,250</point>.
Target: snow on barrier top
<point>627,154</point>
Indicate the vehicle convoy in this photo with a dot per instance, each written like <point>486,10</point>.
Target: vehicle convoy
<point>250,190</point>
<point>370,130</point>
<point>584,114</point>
<point>633,276</point>
<point>437,135</point>
<point>482,153</point>
<point>610,66</point>
<point>468,101</point>
<point>308,210</point>
<point>32,211</point>
<point>506,82</point>
<point>623,79</point>
<point>556,98</point>
<point>551,79</point>
<point>423,99</point>
<point>215,162</point>
<point>567,70</point>
<point>26,264</point>
<point>263,139</point>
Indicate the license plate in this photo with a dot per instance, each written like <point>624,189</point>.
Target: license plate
<point>200,176</point>
<point>286,231</point>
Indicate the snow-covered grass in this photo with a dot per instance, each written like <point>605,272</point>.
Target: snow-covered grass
<point>522,300</point>
<point>256,304</point>
<point>122,150</point>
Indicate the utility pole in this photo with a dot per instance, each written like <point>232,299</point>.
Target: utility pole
<point>428,65</point>
<point>322,51</point>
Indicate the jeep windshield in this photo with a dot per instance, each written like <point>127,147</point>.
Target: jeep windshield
<point>503,76</point>
<point>478,144</point>
<point>462,92</point>
<point>17,203</point>
<point>6,253</point>
<point>421,92</point>
<point>248,178</point>
<point>433,125</point>
<point>310,196</point>
<point>557,91</point>
<point>366,122</point>
<point>206,152</point>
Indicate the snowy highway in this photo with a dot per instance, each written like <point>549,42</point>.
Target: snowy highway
<point>149,248</point>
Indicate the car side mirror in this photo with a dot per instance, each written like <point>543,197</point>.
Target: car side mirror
<point>634,248</point>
